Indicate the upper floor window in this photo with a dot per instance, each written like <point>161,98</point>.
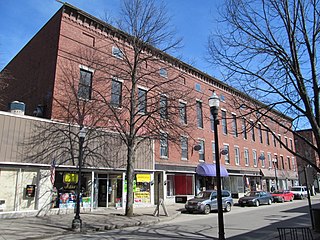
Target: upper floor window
<point>164,145</point>
<point>244,128</point>
<point>224,122</point>
<point>213,152</point>
<point>85,84</point>
<point>291,144</point>
<point>199,114</point>
<point>267,137</point>
<point>246,157</point>
<point>184,148</point>
<point>163,107</point>
<point>237,155</point>
<point>201,151</point>
<point>142,100</point>
<point>116,92</point>
<point>286,141</point>
<point>269,160</point>
<point>226,156</point>
<point>289,163</point>
<point>163,72</point>
<point>253,137</point>
<point>183,112</point>
<point>262,159</point>
<point>260,133</point>
<point>282,162</point>
<point>234,125</point>
<point>198,87</point>
<point>116,52</point>
<point>274,140</point>
<point>280,141</point>
<point>255,160</point>
<point>293,164</point>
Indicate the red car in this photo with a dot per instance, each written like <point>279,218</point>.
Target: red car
<point>282,196</point>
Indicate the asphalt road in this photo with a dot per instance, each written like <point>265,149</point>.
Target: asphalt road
<point>241,223</point>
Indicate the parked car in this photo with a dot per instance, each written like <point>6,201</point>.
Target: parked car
<point>206,201</point>
<point>299,192</point>
<point>282,196</point>
<point>255,198</point>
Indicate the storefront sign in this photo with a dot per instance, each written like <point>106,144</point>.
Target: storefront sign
<point>70,177</point>
<point>30,191</point>
<point>143,177</point>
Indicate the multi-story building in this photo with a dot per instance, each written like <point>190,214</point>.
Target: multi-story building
<point>307,174</point>
<point>254,159</point>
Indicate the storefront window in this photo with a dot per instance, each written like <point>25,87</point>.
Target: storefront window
<point>142,188</point>
<point>179,184</point>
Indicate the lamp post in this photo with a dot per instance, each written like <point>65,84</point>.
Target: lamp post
<point>77,222</point>
<point>275,171</point>
<point>214,107</point>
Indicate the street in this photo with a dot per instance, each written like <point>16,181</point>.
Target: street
<point>241,223</point>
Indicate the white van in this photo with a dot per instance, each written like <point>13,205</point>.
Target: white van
<point>299,192</point>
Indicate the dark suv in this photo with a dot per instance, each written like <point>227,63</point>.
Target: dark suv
<point>206,201</point>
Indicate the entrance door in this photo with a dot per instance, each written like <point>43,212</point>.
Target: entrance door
<point>115,191</point>
<point>102,192</point>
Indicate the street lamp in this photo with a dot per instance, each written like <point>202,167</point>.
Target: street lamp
<point>275,171</point>
<point>214,107</point>
<point>77,222</point>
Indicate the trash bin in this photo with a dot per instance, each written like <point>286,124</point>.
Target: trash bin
<point>316,219</point>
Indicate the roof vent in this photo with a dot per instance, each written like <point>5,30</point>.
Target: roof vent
<point>17,107</point>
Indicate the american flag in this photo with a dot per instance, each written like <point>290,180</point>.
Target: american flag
<point>53,171</point>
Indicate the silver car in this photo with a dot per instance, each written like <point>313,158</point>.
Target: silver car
<point>206,201</point>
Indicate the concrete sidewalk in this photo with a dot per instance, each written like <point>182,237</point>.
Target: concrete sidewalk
<point>97,220</point>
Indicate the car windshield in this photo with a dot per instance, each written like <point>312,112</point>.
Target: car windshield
<point>253,194</point>
<point>278,192</point>
<point>296,189</point>
<point>204,195</point>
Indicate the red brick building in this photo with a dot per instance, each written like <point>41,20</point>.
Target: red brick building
<point>39,68</point>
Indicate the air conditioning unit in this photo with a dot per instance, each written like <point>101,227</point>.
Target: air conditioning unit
<point>17,107</point>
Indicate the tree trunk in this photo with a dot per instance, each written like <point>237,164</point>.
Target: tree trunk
<point>130,179</point>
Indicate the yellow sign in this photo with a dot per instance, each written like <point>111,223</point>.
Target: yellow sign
<point>70,178</point>
<point>143,177</point>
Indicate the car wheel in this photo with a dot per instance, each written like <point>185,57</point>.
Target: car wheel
<point>270,201</point>
<point>282,200</point>
<point>291,199</point>
<point>207,209</point>
<point>257,203</point>
<point>301,196</point>
<point>228,207</point>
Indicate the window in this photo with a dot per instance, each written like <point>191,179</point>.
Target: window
<point>163,107</point>
<point>116,52</point>
<point>267,137</point>
<point>224,122</point>
<point>234,125</point>
<point>280,141</point>
<point>142,100</point>
<point>246,157</point>
<point>262,159</point>
<point>183,112</point>
<point>286,141</point>
<point>198,87</point>
<point>213,152</point>
<point>236,155</point>
<point>184,148</point>
<point>163,72</point>
<point>274,140</point>
<point>282,162</point>
<point>199,114</point>
<point>85,84</point>
<point>254,154</point>
<point>289,163</point>
<point>291,144</point>
<point>116,92</point>
<point>276,163</point>
<point>164,145</point>
<point>293,164</point>
<point>269,160</point>
<point>201,151</point>
<point>253,138</point>
<point>222,98</point>
<point>226,156</point>
<point>244,129</point>
<point>260,133</point>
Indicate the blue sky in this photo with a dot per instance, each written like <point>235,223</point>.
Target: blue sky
<point>193,20</point>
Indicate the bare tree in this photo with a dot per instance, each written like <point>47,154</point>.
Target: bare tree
<point>149,106</point>
<point>270,51</point>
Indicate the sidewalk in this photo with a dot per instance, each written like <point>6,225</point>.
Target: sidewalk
<point>97,220</point>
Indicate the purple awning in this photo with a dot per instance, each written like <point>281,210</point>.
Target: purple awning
<point>209,170</point>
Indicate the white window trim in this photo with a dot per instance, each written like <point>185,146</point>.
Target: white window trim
<point>86,68</point>
<point>226,144</point>
<point>236,146</point>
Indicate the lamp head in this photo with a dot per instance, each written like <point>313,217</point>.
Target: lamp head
<point>214,100</point>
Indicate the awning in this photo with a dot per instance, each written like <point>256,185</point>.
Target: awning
<point>209,170</point>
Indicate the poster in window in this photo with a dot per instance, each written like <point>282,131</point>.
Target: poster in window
<point>30,191</point>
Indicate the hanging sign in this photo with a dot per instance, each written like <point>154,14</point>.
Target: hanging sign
<point>30,191</point>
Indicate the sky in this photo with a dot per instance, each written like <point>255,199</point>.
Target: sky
<point>20,20</point>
